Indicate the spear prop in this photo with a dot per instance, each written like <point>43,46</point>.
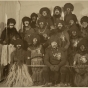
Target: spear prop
<point>6,37</point>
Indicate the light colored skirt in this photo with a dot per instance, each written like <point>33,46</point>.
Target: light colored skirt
<point>6,54</point>
<point>18,77</point>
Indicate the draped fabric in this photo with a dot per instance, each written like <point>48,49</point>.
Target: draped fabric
<point>6,54</point>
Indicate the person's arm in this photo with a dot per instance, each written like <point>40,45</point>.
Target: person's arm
<point>12,57</point>
<point>28,57</point>
<point>75,59</point>
<point>3,35</point>
<point>63,60</point>
<point>46,58</point>
<point>42,50</point>
<point>67,39</point>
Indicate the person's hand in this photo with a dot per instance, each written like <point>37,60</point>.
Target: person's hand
<point>4,42</point>
<point>45,35</point>
<point>52,67</point>
<point>66,47</point>
<point>56,67</point>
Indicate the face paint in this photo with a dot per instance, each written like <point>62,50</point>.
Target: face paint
<point>73,33</point>
<point>34,18</point>
<point>57,12</point>
<point>18,46</point>
<point>35,41</point>
<point>68,10</point>
<point>82,48</point>
<point>11,25</point>
<point>60,25</point>
<point>84,24</point>
<point>44,13</point>
<point>41,24</point>
<point>71,22</point>
<point>54,44</point>
<point>26,23</point>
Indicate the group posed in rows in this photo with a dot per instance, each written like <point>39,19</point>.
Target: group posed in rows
<point>47,50</point>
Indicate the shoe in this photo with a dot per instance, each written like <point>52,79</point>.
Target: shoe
<point>47,85</point>
<point>57,85</point>
<point>62,85</point>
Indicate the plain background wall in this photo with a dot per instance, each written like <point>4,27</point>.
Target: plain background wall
<point>19,9</point>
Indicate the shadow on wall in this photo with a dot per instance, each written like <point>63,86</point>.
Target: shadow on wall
<point>2,25</point>
<point>78,7</point>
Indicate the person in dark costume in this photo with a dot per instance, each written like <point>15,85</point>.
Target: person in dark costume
<point>56,15</point>
<point>68,9</point>
<point>46,16</point>
<point>9,32</point>
<point>72,22</point>
<point>55,59</point>
<point>18,72</point>
<point>75,38</point>
<point>26,31</point>
<point>81,64</point>
<point>44,32</point>
<point>37,54</point>
<point>34,17</point>
<point>7,37</point>
<point>62,35</point>
<point>84,27</point>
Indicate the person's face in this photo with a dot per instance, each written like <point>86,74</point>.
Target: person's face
<point>34,18</point>
<point>26,23</point>
<point>35,41</point>
<point>11,25</point>
<point>44,13</point>
<point>84,24</point>
<point>18,46</point>
<point>57,12</point>
<point>73,33</point>
<point>68,10</point>
<point>82,48</point>
<point>60,25</point>
<point>41,24</point>
<point>71,22</point>
<point>54,44</point>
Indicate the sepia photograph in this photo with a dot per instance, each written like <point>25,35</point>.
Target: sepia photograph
<point>44,43</point>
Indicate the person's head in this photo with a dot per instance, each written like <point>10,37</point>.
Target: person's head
<point>11,22</point>
<point>54,42</point>
<point>45,12</point>
<point>68,8</point>
<point>41,23</point>
<point>60,24</point>
<point>72,19</point>
<point>35,39</point>
<point>84,21</point>
<point>57,11</point>
<point>74,31</point>
<point>18,44</point>
<point>83,45</point>
<point>26,21</point>
<point>34,17</point>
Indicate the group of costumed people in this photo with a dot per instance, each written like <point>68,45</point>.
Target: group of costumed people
<point>47,50</point>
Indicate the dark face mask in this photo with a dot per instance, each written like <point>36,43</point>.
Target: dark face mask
<point>11,25</point>
<point>34,19</point>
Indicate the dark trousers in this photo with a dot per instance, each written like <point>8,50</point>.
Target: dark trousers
<point>64,74</point>
<point>6,70</point>
<point>61,75</point>
<point>50,76</point>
